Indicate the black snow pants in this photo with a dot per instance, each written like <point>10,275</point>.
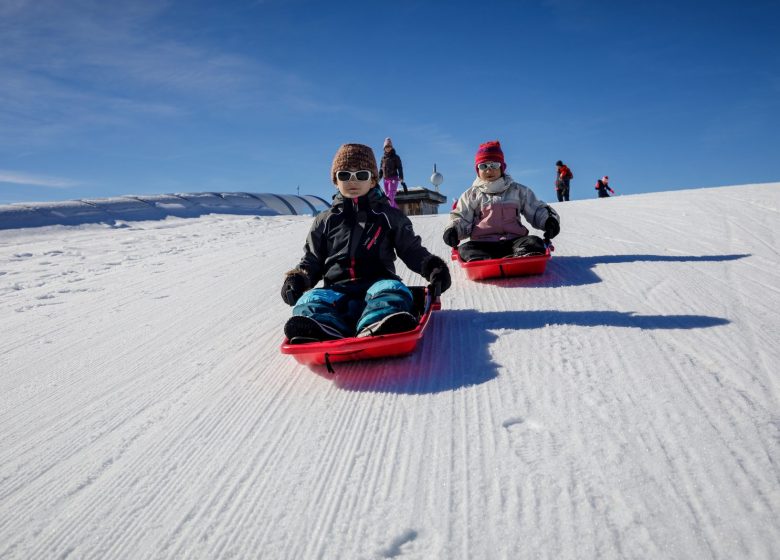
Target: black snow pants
<point>482,250</point>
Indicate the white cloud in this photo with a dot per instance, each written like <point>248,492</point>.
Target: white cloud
<point>19,178</point>
<point>71,67</point>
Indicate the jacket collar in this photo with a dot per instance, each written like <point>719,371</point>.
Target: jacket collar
<point>493,187</point>
<point>371,198</point>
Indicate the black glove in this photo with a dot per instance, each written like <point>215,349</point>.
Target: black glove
<point>295,283</point>
<point>441,276</point>
<point>404,186</point>
<point>435,271</point>
<point>551,228</point>
<point>451,236</point>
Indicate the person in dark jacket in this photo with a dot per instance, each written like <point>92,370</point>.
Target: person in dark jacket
<point>602,185</point>
<point>352,247</point>
<point>392,170</point>
<point>563,177</point>
<point>490,213</point>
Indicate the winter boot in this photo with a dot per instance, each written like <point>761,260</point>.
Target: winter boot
<point>395,323</point>
<point>528,246</point>
<point>301,330</point>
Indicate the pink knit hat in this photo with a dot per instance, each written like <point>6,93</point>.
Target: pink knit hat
<point>490,151</point>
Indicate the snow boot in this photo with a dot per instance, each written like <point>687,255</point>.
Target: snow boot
<point>301,330</point>
<point>529,246</point>
<point>395,323</point>
<point>524,253</point>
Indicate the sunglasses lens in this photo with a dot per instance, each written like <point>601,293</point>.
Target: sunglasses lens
<point>350,176</point>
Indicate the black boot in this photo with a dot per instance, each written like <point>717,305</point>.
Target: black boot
<point>528,246</point>
<point>395,323</point>
<point>301,330</point>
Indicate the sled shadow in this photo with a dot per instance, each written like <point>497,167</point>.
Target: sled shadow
<point>578,271</point>
<point>455,350</point>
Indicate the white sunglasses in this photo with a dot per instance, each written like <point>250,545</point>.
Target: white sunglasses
<point>345,176</point>
<point>489,165</point>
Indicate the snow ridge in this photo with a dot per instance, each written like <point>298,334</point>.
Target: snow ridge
<point>118,210</point>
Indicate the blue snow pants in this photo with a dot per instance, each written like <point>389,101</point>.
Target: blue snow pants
<point>349,308</point>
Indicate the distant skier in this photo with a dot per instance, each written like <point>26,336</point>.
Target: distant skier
<point>563,177</point>
<point>352,247</point>
<point>489,213</point>
<point>602,185</point>
<point>392,170</point>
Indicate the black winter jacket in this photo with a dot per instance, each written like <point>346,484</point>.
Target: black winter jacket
<point>391,166</point>
<point>357,239</point>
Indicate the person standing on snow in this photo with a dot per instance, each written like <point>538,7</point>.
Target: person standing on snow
<point>602,185</point>
<point>392,170</point>
<point>352,248</point>
<point>489,213</point>
<point>562,177</point>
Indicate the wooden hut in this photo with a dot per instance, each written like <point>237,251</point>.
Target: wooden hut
<point>419,201</point>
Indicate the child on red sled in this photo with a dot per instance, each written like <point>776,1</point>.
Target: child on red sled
<point>351,247</point>
<point>489,213</point>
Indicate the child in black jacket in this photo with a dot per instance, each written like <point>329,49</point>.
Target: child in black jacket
<point>602,185</point>
<point>352,247</point>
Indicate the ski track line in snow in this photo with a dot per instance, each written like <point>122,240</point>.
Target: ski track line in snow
<point>592,412</point>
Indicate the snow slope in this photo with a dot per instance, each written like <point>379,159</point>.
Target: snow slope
<point>624,405</point>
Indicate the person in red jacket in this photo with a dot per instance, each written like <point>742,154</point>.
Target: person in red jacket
<point>602,185</point>
<point>563,176</point>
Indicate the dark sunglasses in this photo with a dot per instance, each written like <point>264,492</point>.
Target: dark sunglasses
<point>489,165</point>
<point>345,176</point>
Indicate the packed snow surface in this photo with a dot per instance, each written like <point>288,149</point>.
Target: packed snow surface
<point>623,405</point>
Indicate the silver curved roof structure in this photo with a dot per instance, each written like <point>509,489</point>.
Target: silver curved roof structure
<point>155,207</point>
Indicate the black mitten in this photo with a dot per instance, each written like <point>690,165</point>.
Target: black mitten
<point>436,272</point>
<point>451,236</point>
<point>551,228</point>
<point>295,283</point>
<point>404,186</point>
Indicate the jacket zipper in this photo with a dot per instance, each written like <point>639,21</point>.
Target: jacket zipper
<point>373,239</point>
<point>353,243</point>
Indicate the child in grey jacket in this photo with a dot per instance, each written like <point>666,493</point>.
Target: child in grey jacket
<point>489,213</point>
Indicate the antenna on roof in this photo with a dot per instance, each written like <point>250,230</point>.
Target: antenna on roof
<point>437,178</point>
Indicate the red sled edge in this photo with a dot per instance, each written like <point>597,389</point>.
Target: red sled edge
<point>505,267</point>
<point>367,348</point>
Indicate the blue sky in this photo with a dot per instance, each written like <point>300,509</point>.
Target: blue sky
<point>103,99</point>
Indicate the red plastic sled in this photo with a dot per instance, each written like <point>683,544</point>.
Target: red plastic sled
<point>370,347</point>
<point>505,267</point>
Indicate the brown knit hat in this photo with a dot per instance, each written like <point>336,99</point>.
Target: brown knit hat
<point>354,156</point>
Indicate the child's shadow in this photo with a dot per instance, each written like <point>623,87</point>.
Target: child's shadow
<point>454,352</point>
<point>578,271</point>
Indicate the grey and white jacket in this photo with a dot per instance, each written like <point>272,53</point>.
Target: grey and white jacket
<point>491,211</point>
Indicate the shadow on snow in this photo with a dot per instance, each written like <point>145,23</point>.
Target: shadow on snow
<point>455,351</point>
<point>578,271</point>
